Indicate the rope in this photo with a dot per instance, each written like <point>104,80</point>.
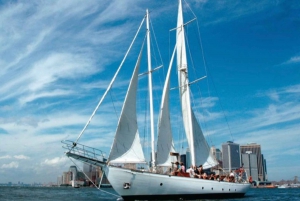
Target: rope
<point>112,100</point>
<point>110,84</point>
<point>93,182</point>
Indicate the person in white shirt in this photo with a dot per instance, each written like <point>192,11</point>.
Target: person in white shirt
<point>191,171</point>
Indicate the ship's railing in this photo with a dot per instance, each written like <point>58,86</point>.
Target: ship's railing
<point>83,150</point>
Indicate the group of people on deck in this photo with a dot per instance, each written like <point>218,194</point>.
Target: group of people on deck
<point>198,172</point>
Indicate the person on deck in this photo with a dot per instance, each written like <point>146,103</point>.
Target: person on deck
<point>231,176</point>
<point>200,169</point>
<point>182,167</point>
<point>176,168</point>
<point>191,172</point>
<point>196,172</point>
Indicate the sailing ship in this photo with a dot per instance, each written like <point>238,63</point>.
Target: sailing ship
<point>134,184</point>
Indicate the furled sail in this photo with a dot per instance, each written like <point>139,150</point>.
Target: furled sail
<point>200,154</point>
<point>126,147</point>
<point>165,143</point>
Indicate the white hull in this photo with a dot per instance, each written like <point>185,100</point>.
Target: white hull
<point>144,185</point>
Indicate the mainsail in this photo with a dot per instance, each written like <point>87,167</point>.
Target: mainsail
<point>126,147</point>
<point>165,143</point>
<point>200,154</point>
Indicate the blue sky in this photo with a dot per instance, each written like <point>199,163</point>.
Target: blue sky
<point>57,59</point>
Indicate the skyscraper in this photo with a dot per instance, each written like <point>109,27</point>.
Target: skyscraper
<point>183,159</point>
<point>66,177</point>
<point>255,149</point>
<point>216,153</point>
<point>249,161</point>
<point>188,158</point>
<point>265,173</point>
<point>231,156</point>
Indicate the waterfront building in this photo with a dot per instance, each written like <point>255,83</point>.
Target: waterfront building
<point>59,180</point>
<point>66,177</point>
<point>255,149</point>
<point>188,158</point>
<point>91,172</point>
<point>231,156</point>
<point>183,159</point>
<point>249,161</point>
<point>216,153</point>
<point>265,173</point>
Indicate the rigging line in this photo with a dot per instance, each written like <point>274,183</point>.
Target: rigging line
<point>113,104</point>
<point>154,35</point>
<point>156,61</point>
<point>221,106</point>
<point>205,66</point>
<point>110,84</point>
<point>93,182</point>
<point>190,8</point>
<point>203,56</point>
<point>198,87</point>
<point>204,61</point>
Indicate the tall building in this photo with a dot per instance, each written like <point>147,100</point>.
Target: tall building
<point>216,153</point>
<point>183,159</point>
<point>231,156</point>
<point>91,172</point>
<point>188,158</point>
<point>59,180</point>
<point>265,173</point>
<point>249,161</point>
<point>255,149</point>
<point>66,177</point>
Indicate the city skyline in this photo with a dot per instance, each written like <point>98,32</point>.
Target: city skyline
<point>57,59</point>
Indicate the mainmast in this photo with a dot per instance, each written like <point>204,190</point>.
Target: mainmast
<point>150,92</point>
<point>184,88</point>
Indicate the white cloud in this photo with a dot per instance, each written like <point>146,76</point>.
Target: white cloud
<point>55,161</point>
<point>12,165</point>
<point>274,95</point>
<point>5,157</point>
<point>21,157</point>
<point>293,60</point>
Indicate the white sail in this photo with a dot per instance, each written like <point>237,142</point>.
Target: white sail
<point>165,143</point>
<point>183,84</point>
<point>202,154</point>
<point>199,148</point>
<point>126,147</point>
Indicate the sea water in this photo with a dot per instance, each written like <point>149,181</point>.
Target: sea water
<point>93,194</point>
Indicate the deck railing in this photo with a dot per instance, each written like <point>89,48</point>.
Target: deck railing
<point>83,150</point>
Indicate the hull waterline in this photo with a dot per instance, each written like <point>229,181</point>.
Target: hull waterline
<point>137,185</point>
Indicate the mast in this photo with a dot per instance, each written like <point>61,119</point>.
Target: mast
<point>150,92</point>
<point>183,80</point>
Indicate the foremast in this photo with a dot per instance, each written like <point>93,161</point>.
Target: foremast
<point>150,93</point>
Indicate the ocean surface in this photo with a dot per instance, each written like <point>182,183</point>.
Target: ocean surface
<point>93,194</point>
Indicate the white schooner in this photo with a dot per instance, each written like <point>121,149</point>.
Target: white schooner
<point>133,184</point>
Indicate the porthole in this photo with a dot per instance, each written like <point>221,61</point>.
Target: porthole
<point>161,184</point>
<point>202,188</point>
<point>212,188</point>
